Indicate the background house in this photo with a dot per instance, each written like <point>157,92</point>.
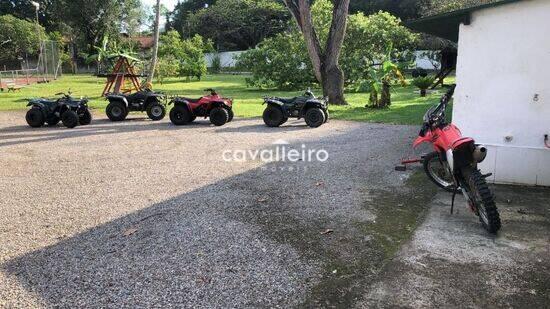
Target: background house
<point>503,78</point>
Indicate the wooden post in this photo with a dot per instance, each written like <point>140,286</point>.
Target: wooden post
<point>27,70</point>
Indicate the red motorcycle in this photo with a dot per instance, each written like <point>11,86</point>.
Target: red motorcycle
<point>453,164</point>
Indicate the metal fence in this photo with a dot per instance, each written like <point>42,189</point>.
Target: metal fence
<point>39,69</point>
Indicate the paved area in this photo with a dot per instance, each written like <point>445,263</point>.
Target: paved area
<point>451,263</point>
<point>143,214</point>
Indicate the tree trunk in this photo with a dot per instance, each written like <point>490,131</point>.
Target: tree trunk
<point>373,99</point>
<point>385,96</point>
<point>325,64</point>
<point>333,85</point>
<point>156,46</point>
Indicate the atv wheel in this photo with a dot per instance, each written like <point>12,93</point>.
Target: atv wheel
<point>219,116</point>
<point>327,115</point>
<point>69,119</point>
<point>231,115</point>
<point>180,115</point>
<point>284,121</point>
<point>35,118</point>
<point>156,111</point>
<point>116,111</point>
<point>273,116</point>
<point>85,118</point>
<point>438,172</point>
<point>484,202</point>
<point>53,121</point>
<point>315,117</point>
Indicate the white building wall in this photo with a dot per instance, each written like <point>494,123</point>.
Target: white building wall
<point>227,59</point>
<point>423,61</point>
<point>503,94</point>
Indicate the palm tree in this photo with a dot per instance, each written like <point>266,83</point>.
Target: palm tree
<point>156,46</point>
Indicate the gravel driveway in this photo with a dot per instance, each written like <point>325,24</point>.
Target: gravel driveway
<point>141,213</point>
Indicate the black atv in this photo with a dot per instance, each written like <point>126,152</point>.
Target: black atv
<point>65,109</point>
<point>313,110</point>
<point>142,101</point>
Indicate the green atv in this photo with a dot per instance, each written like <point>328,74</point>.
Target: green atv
<point>66,109</point>
<point>313,110</point>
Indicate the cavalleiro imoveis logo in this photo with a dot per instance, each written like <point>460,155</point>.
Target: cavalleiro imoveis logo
<point>282,151</point>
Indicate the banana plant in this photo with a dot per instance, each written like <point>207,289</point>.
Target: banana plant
<point>107,51</point>
<point>379,79</point>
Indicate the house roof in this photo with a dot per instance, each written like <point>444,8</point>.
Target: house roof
<point>145,42</point>
<point>447,25</point>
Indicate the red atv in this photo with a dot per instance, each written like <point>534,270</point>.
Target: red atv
<point>213,106</point>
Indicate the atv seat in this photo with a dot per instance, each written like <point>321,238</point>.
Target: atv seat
<point>191,100</point>
<point>138,96</point>
<point>286,101</point>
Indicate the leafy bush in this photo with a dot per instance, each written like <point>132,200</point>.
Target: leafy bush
<point>423,83</point>
<point>18,37</point>
<point>167,66</point>
<point>189,53</point>
<point>194,64</point>
<point>283,62</point>
<point>280,62</point>
<point>367,41</point>
<point>238,24</point>
<point>216,66</point>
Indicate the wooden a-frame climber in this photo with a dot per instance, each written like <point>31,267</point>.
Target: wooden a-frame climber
<point>123,78</point>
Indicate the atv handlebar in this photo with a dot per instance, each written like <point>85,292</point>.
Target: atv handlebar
<point>212,91</point>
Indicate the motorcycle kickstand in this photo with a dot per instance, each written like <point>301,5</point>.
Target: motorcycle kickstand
<point>453,202</point>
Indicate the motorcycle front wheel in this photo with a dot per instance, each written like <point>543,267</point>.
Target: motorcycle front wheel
<point>438,172</point>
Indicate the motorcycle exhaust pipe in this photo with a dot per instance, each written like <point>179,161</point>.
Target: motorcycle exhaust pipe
<point>480,153</point>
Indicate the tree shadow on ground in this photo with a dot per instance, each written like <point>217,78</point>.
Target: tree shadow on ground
<point>22,134</point>
<point>266,237</point>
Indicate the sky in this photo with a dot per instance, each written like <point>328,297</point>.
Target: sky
<point>167,3</point>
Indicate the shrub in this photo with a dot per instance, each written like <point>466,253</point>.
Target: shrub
<point>280,62</point>
<point>283,62</point>
<point>167,66</point>
<point>216,66</point>
<point>189,53</point>
<point>423,83</point>
<point>18,37</point>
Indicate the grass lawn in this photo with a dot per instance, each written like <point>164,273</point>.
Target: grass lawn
<point>407,106</point>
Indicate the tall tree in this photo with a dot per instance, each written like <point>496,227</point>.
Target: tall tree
<point>324,60</point>
<point>432,7</point>
<point>156,46</point>
<point>404,9</point>
<point>239,24</point>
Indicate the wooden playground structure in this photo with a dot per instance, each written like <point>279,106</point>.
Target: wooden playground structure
<point>123,78</point>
